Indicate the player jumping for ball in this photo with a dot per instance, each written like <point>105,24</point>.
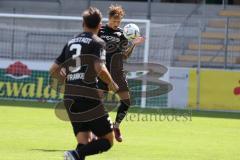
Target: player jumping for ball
<point>117,49</point>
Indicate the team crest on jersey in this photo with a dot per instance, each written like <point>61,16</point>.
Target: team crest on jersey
<point>118,34</point>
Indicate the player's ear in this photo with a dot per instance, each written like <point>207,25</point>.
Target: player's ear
<point>99,25</point>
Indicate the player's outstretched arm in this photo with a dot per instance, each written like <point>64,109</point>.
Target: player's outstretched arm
<point>105,76</point>
<point>137,41</point>
<point>128,52</point>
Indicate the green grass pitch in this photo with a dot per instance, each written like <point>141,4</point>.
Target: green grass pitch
<point>31,131</point>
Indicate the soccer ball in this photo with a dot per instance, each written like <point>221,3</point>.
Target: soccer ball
<point>131,31</point>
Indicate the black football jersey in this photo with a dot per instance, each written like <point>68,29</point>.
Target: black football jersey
<point>78,58</point>
<point>116,44</point>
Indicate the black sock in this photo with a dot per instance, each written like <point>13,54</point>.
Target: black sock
<point>94,147</point>
<point>79,146</point>
<point>122,110</point>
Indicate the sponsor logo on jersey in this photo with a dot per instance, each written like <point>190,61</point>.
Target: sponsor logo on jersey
<point>110,38</point>
<point>118,33</point>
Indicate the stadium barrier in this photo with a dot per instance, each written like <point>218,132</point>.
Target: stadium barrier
<point>28,80</point>
<point>219,89</point>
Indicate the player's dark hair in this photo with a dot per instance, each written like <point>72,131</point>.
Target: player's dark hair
<point>116,11</point>
<point>92,17</point>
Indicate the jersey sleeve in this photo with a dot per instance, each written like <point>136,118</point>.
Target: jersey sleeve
<point>99,51</point>
<point>61,58</point>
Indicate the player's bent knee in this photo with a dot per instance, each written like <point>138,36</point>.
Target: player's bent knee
<point>124,95</point>
<point>107,144</point>
<point>110,138</point>
<point>83,137</point>
<point>127,102</point>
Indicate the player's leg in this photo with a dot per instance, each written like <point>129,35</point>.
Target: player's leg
<point>83,136</point>
<point>102,128</point>
<point>123,107</point>
<point>120,78</point>
<point>93,137</point>
<point>102,144</point>
<point>80,129</point>
<point>121,113</point>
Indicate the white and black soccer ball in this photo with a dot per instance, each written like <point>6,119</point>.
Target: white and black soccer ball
<point>131,31</point>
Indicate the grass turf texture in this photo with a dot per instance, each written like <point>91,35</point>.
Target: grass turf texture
<point>31,131</point>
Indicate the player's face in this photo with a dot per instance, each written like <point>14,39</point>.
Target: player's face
<point>114,22</point>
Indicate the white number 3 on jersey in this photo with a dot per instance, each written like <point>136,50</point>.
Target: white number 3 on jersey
<point>103,55</point>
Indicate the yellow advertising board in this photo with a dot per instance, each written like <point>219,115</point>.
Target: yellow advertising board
<point>219,89</point>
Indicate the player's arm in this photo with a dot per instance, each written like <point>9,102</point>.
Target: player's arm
<point>128,52</point>
<point>56,70</point>
<point>135,42</point>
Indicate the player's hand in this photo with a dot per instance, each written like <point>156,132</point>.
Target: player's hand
<point>138,40</point>
<point>62,76</point>
<point>113,87</point>
<point>63,72</point>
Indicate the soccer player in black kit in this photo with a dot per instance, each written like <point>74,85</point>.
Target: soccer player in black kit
<point>83,60</point>
<point>117,49</point>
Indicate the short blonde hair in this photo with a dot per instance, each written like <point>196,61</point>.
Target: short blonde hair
<point>116,11</point>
